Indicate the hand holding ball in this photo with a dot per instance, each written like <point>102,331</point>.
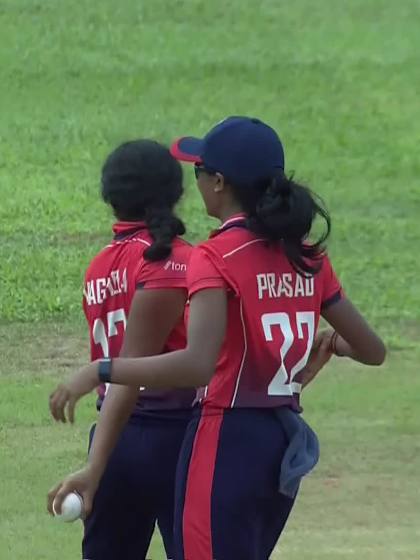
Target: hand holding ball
<point>71,508</point>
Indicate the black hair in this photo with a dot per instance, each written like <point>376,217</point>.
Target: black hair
<point>141,181</point>
<point>279,209</point>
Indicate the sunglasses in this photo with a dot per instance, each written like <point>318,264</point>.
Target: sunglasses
<point>198,169</point>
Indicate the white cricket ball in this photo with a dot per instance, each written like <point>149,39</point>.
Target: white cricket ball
<point>71,508</point>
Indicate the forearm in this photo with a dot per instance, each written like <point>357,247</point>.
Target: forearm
<point>168,371</point>
<point>354,337</point>
<point>115,412</point>
<point>343,349</point>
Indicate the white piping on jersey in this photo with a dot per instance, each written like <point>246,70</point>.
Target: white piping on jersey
<point>238,380</point>
<point>296,387</point>
<point>132,240</point>
<point>242,247</point>
<point>237,218</point>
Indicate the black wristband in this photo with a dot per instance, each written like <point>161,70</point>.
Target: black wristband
<point>333,342</point>
<point>104,372</point>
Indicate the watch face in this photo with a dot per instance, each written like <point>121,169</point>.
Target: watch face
<point>105,370</point>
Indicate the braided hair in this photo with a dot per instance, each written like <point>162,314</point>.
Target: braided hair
<point>141,181</point>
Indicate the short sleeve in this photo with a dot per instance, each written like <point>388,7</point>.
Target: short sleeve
<point>331,287</point>
<point>169,273</point>
<point>202,274</point>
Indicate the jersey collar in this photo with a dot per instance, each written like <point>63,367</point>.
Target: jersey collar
<point>125,229</point>
<point>237,220</point>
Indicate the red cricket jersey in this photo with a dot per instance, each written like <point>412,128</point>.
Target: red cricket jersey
<point>273,314</point>
<point>111,281</point>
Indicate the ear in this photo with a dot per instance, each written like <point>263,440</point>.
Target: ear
<point>219,183</point>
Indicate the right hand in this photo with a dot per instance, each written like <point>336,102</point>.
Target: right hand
<point>85,482</point>
<point>64,398</point>
<point>319,356</point>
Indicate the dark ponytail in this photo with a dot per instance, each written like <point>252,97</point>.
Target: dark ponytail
<point>280,209</point>
<point>141,181</point>
<point>163,226</point>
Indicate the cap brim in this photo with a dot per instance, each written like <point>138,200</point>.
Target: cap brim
<point>187,149</point>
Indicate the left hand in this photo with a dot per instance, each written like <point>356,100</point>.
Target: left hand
<point>67,394</point>
<point>320,355</point>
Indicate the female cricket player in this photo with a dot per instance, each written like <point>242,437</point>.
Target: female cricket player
<point>256,289</point>
<point>134,298</point>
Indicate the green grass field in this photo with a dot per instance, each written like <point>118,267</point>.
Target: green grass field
<point>340,82</point>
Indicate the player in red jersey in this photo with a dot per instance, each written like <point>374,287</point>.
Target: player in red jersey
<point>141,271</point>
<point>257,289</point>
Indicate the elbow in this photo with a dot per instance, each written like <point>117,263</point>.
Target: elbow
<point>381,355</point>
<point>200,370</point>
<point>204,376</point>
<point>198,365</point>
<point>378,356</point>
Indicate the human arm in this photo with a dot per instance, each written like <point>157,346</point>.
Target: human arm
<point>356,339</point>
<point>365,345</point>
<point>146,334</point>
<point>319,356</point>
<point>153,315</point>
<point>191,367</point>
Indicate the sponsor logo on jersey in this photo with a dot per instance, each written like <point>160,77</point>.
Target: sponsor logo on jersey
<point>175,266</point>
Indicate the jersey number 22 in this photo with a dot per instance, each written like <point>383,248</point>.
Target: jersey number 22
<point>283,383</point>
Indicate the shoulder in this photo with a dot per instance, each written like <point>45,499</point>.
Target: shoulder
<point>231,242</point>
<point>123,253</point>
<point>326,267</point>
<point>181,248</point>
<point>330,285</point>
<point>177,261</point>
<point>98,263</point>
<point>170,272</point>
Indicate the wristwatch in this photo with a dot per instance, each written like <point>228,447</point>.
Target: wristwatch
<point>104,372</point>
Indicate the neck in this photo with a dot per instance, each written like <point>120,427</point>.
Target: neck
<point>130,220</point>
<point>227,213</point>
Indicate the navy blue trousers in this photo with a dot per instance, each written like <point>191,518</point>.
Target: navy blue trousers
<point>228,506</point>
<point>137,490</point>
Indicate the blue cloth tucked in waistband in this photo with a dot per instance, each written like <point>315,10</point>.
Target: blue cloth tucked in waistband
<point>302,453</point>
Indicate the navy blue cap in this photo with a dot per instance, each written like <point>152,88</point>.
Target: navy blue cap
<point>242,149</point>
